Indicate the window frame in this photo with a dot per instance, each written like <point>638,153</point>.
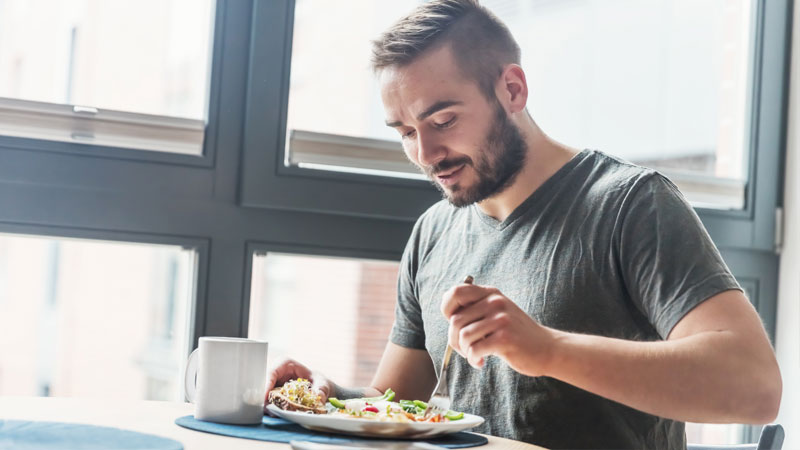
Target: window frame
<point>207,156</point>
<point>768,125</point>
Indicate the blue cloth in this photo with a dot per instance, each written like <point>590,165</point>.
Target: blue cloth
<point>280,430</point>
<point>29,435</point>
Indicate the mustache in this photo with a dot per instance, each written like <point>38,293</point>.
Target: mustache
<point>446,165</point>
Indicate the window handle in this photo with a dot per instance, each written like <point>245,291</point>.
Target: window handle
<point>82,136</point>
<point>84,110</point>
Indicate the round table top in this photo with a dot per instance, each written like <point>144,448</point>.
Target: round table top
<point>153,417</point>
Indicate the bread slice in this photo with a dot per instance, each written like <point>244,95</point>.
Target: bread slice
<point>281,401</point>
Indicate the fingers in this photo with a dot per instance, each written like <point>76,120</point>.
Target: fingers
<point>463,317</point>
<point>486,307</point>
<point>463,295</point>
<point>477,331</point>
<point>474,338</point>
<point>286,370</point>
<point>322,385</point>
<point>484,347</point>
<point>475,323</point>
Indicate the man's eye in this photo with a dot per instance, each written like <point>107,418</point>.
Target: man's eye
<point>445,124</point>
<point>409,134</point>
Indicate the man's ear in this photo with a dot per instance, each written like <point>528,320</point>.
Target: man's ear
<point>512,89</point>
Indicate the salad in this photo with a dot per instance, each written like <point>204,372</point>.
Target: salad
<point>383,409</point>
<point>298,395</point>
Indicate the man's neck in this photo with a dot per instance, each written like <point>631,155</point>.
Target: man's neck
<point>544,158</point>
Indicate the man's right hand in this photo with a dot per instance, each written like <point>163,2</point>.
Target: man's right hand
<point>289,369</point>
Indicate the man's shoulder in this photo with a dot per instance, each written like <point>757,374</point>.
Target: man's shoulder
<point>606,175</point>
<point>441,211</point>
<point>437,221</point>
<point>439,216</point>
<point>618,171</point>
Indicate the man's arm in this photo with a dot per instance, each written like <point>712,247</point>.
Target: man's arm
<point>408,371</point>
<point>716,366</point>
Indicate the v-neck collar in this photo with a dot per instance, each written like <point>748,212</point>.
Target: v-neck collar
<point>540,193</point>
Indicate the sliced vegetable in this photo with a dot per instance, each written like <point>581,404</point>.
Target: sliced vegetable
<point>408,406</point>
<point>336,402</point>
<point>388,396</point>
<point>452,415</point>
<point>370,408</point>
<point>421,404</point>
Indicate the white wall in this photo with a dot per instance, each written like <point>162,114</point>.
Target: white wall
<point>787,336</point>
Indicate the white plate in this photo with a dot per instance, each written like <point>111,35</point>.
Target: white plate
<point>372,428</point>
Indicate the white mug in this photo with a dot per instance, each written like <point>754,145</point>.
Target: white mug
<point>226,379</point>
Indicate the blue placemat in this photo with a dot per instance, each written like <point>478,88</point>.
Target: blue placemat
<point>29,435</point>
<point>280,430</point>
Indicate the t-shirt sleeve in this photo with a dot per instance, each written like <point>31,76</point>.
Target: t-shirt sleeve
<point>669,261</point>
<point>407,330</point>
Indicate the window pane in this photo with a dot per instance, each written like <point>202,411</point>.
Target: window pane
<point>304,305</point>
<point>93,319</point>
<point>346,101</point>
<point>663,83</point>
<point>142,56</point>
<point>714,434</point>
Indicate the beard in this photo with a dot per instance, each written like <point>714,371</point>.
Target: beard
<point>499,161</point>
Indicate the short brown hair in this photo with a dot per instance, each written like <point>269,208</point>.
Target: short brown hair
<point>482,45</point>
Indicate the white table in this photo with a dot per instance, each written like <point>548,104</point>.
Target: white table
<point>156,418</point>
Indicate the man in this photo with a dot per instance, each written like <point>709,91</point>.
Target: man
<point>602,315</point>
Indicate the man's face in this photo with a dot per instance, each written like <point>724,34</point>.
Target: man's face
<point>467,145</point>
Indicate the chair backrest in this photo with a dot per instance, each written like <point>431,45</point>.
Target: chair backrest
<point>771,439</point>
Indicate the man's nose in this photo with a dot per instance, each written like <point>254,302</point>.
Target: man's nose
<point>430,150</point>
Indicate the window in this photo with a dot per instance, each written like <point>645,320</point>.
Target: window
<point>120,74</point>
<point>94,319</point>
<point>301,304</point>
<point>665,84</point>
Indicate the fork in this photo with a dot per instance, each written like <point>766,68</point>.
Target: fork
<point>440,399</point>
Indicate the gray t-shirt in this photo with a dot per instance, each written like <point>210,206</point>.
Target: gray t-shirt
<point>603,247</point>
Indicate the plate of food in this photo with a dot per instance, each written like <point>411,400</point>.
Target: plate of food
<point>381,416</point>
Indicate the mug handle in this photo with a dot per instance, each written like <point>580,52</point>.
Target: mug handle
<point>190,377</point>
